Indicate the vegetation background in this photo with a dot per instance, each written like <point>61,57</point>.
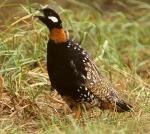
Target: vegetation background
<point>116,33</point>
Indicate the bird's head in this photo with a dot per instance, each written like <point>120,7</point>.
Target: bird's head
<point>50,18</point>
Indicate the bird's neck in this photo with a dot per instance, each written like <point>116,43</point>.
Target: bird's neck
<point>58,35</point>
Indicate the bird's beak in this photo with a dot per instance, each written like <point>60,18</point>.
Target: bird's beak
<point>41,16</point>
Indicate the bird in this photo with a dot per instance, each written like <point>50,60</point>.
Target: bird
<point>73,73</point>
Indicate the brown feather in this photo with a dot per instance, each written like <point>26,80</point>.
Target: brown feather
<point>58,35</point>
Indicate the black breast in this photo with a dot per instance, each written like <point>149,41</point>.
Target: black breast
<point>65,66</point>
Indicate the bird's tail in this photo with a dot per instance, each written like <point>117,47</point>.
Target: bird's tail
<point>122,106</point>
<point>118,106</point>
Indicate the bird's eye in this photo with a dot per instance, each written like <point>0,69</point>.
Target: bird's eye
<point>53,19</point>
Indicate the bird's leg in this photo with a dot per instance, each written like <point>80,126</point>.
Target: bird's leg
<point>65,109</point>
<point>78,112</point>
<point>74,106</point>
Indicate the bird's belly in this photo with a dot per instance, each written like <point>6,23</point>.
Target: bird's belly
<point>62,79</point>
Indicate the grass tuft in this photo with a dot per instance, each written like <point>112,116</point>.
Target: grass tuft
<point>117,39</point>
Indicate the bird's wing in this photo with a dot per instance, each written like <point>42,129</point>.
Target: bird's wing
<point>93,86</point>
<point>94,80</point>
<point>98,84</point>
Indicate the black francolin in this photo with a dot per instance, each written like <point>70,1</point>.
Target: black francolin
<point>73,74</point>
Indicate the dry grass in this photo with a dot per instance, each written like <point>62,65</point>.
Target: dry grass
<point>118,41</point>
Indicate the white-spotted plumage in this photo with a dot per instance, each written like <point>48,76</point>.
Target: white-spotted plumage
<point>96,88</point>
<point>83,76</point>
<point>86,88</point>
<point>83,61</point>
<point>78,49</point>
<point>74,47</point>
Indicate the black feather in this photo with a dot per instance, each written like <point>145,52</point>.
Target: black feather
<point>123,105</point>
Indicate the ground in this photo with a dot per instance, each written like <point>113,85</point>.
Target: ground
<point>118,39</point>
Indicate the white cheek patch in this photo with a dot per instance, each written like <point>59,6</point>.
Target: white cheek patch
<point>53,19</point>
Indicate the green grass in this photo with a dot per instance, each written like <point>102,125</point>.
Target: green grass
<point>119,42</point>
